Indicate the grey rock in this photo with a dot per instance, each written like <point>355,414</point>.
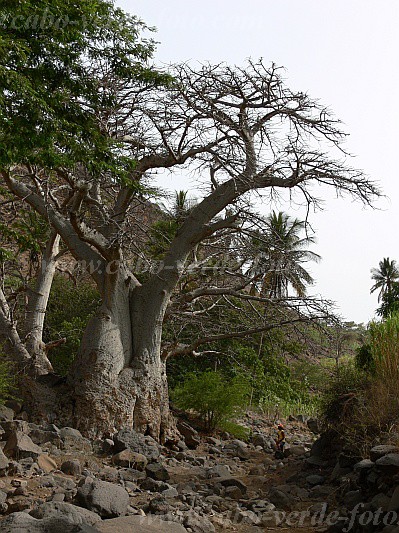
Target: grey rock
<point>71,513</point>
<point>40,436</point>
<point>4,462</point>
<point>128,438</point>
<point>106,499</point>
<point>127,458</point>
<point>297,450</point>
<point>72,467</point>
<point>365,464</point>
<point>20,445</point>
<point>383,449</point>
<point>249,517</point>
<point>218,471</point>
<point>108,446</point>
<point>197,523</point>
<point>315,479</point>
<point>190,435</point>
<point>157,471</point>
<point>389,462</point>
<point>237,448</point>
<point>280,499</point>
<point>231,482</point>
<point>20,522</point>
<point>170,492</point>
<point>258,439</point>
<point>6,414</point>
<point>70,432</point>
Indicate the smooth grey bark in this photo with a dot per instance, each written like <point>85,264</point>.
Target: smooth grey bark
<point>9,331</point>
<point>118,377</point>
<point>37,306</point>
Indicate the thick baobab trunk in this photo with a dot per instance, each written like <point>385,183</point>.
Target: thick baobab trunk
<point>37,306</point>
<point>118,378</point>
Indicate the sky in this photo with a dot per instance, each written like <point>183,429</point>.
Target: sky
<point>342,52</point>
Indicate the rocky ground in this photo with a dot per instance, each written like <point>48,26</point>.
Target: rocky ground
<point>54,480</point>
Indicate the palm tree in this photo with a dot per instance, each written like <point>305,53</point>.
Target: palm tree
<point>282,253</point>
<point>384,276</point>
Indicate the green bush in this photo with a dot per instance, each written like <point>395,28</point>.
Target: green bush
<point>364,359</point>
<point>212,397</point>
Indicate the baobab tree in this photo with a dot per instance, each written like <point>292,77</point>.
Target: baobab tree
<point>242,130</point>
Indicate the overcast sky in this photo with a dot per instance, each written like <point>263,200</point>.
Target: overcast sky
<point>343,52</point>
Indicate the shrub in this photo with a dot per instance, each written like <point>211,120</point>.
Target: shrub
<point>364,359</point>
<point>7,381</point>
<point>212,397</point>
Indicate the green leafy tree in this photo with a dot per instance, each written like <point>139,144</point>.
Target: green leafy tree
<point>57,59</point>
<point>214,398</point>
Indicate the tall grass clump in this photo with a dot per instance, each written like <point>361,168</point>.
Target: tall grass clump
<point>362,400</point>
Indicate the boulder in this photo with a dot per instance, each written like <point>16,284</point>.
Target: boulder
<point>258,439</point>
<point>70,513</point>
<point>46,463</point>
<point>297,450</point>
<point>128,459</point>
<point>280,499</point>
<point>20,445</point>
<point>72,440</point>
<point>14,425</point>
<point>190,435</point>
<point>21,522</point>
<point>364,464</point>
<point>128,438</point>
<point>389,462</point>
<point>157,471</point>
<point>142,524</point>
<point>4,462</point>
<point>237,448</point>
<point>218,471</point>
<point>231,482</point>
<point>383,449</point>
<point>315,479</point>
<point>41,436</point>
<point>106,499</point>
<point>197,523</point>
<point>6,414</point>
<point>72,467</point>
